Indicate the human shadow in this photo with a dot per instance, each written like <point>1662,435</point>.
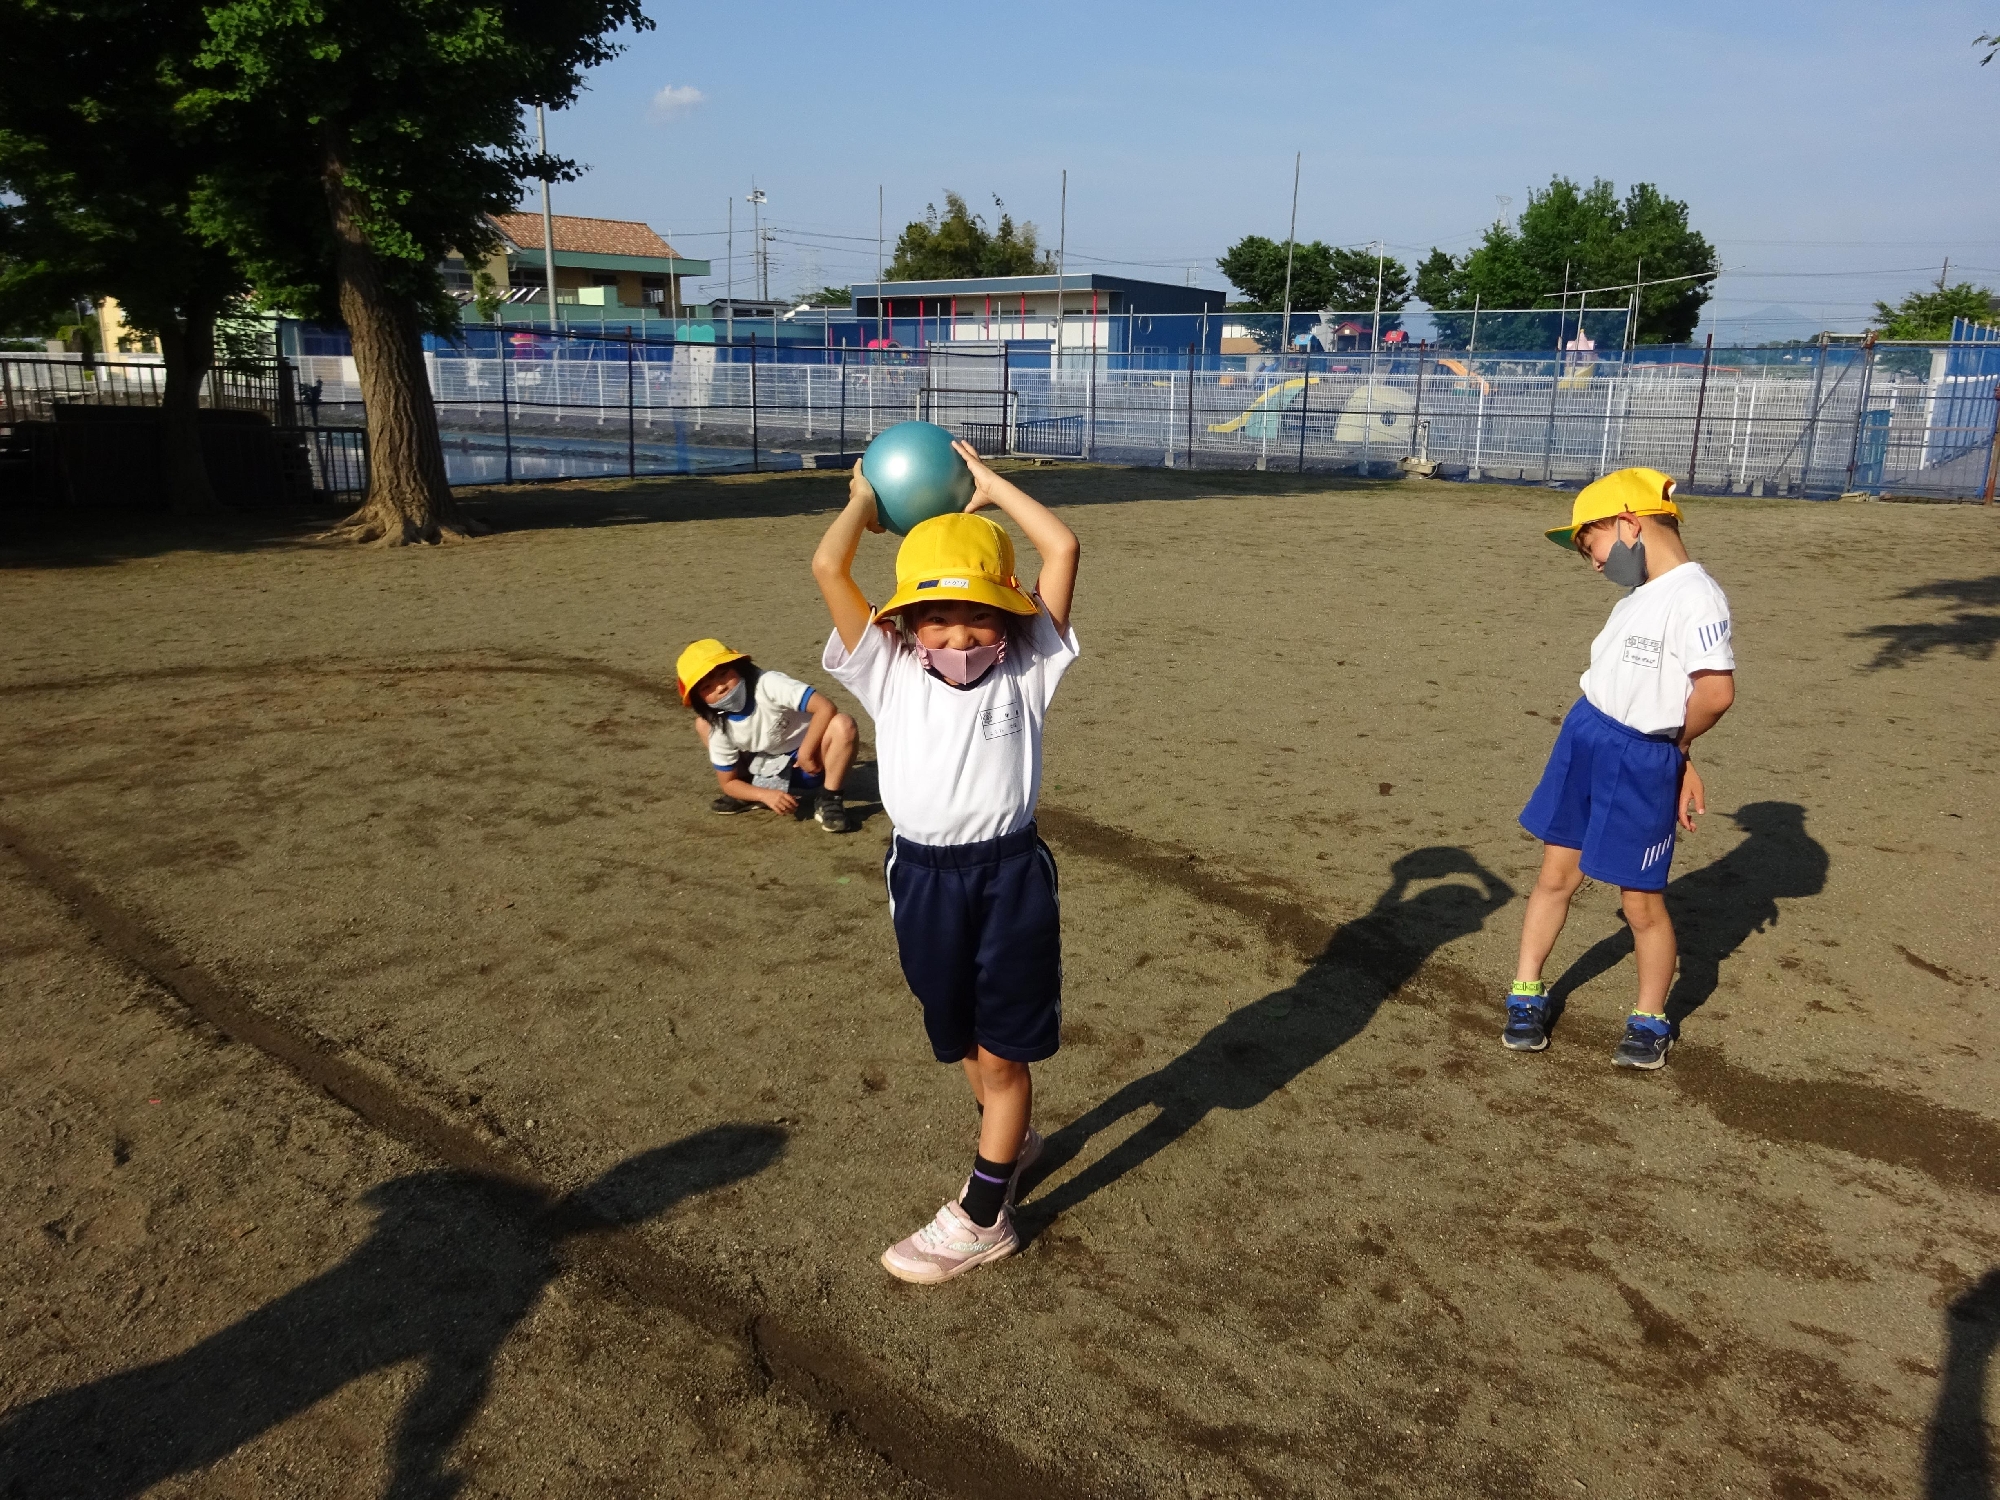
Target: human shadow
<point>456,1260</point>
<point>1261,1047</point>
<point>1958,1460</point>
<point>1717,907</point>
<point>1967,633</point>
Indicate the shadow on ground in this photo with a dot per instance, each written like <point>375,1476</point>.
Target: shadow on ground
<point>456,1260</point>
<point>1958,1456</point>
<point>1717,907</point>
<point>1261,1047</point>
<point>1966,633</point>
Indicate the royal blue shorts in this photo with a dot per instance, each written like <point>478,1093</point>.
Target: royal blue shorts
<point>981,943</point>
<point>1611,792</point>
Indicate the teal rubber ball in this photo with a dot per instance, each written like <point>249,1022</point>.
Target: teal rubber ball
<point>915,475</point>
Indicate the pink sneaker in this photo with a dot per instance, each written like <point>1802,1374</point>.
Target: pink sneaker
<point>949,1244</point>
<point>1031,1152</point>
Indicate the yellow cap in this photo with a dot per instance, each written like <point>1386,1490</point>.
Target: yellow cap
<point>699,660</point>
<point>962,557</point>
<point>1643,492</point>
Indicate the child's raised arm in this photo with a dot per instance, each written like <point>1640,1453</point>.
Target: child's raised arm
<point>833,562</point>
<point>1056,543</point>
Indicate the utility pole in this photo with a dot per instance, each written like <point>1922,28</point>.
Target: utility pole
<point>761,261</point>
<point>878,264</point>
<point>729,278</point>
<point>1291,235</point>
<point>548,225</point>
<point>1375,335</point>
<point>1062,254</point>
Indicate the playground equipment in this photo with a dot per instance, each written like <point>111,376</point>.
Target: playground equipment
<point>915,475</point>
<point>1263,417</point>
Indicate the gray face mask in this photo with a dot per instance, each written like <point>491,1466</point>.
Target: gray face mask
<point>732,701</point>
<point>1626,566</point>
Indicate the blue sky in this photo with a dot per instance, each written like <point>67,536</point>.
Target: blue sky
<point>1833,152</point>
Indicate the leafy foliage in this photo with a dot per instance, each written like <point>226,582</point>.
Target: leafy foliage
<point>411,109</point>
<point>828,296</point>
<point>1928,314</point>
<point>1600,239</point>
<point>958,243</point>
<point>1324,278</point>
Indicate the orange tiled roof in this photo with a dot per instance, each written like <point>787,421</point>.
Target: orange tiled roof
<point>586,236</point>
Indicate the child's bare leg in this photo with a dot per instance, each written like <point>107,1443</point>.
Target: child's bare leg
<point>1654,947</point>
<point>1548,908</point>
<point>1006,1094</point>
<point>837,751</point>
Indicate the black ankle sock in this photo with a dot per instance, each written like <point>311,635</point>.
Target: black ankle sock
<point>987,1190</point>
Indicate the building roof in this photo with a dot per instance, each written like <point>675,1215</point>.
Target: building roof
<point>586,236</point>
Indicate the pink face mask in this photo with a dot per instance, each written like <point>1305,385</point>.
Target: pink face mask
<point>962,666</point>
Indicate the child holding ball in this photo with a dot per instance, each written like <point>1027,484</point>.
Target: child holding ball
<point>1662,674</point>
<point>957,670</point>
<point>771,740</point>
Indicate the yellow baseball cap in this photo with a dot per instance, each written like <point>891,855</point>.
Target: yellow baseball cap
<point>963,557</point>
<point>1643,492</point>
<point>699,660</point>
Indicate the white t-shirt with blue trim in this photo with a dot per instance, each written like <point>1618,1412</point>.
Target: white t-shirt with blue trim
<point>956,765</point>
<point>1667,629</point>
<point>770,729</point>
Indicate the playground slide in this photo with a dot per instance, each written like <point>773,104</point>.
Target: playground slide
<point>1268,405</point>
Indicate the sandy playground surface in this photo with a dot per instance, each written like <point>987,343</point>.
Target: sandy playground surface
<point>554,1125</point>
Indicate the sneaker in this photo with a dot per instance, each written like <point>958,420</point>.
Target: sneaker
<point>730,806</point>
<point>831,813</point>
<point>1031,1152</point>
<point>1645,1045</point>
<point>948,1245</point>
<point>1527,1028</point>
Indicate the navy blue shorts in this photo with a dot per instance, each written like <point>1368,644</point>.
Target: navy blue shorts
<point>981,942</point>
<point>1612,793</point>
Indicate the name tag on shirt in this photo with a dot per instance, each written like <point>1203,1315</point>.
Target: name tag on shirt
<point>1001,720</point>
<point>1641,652</point>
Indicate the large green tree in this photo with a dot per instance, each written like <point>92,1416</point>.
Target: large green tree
<point>1589,237</point>
<point>370,138</point>
<point>1325,278</point>
<point>1928,314</point>
<point>958,243</point>
<point>106,169</point>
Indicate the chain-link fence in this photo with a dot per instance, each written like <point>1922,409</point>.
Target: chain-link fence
<point>1812,420</point>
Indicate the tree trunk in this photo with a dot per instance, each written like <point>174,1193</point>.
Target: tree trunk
<point>408,499</point>
<point>187,350</point>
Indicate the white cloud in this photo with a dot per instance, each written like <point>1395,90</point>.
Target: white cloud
<point>675,99</point>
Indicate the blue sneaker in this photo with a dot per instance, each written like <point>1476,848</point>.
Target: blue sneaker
<point>1527,1028</point>
<point>1647,1039</point>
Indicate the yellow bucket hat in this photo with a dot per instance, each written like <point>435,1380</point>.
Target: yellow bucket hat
<point>699,660</point>
<point>963,557</point>
<point>1643,492</point>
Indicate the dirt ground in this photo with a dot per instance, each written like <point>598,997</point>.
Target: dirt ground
<point>634,1095</point>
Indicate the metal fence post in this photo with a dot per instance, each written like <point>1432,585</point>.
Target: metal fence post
<point>1861,405</point>
<point>1305,402</point>
<point>1090,426</point>
<point>754,456</point>
<point>1812,423</point>
<point>506,421</point>
<point>843,402</point>
<point>1700,402</point>
<point>1190,407</point>
<point>1417,413</point>
<point>631,434</point>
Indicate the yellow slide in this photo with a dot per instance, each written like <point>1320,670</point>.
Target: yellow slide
<point>1282,395</point>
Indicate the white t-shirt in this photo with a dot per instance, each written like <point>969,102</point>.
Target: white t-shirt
<point>1660,633</point>
<point>956,765</point>
<point>770,729</point>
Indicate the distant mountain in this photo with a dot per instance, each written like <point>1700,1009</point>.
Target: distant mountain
<point>1771,324</point>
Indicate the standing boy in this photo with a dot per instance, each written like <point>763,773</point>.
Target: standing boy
<point>1621,775</point>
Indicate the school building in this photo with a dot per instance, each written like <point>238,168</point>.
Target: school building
<point>1109,314</point>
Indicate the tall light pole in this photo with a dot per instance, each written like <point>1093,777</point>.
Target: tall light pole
<point>1291,235</point>
<point>878,262</point>
<point>757,200</point>
<point>1062,254</point>
<point>548,225</point>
